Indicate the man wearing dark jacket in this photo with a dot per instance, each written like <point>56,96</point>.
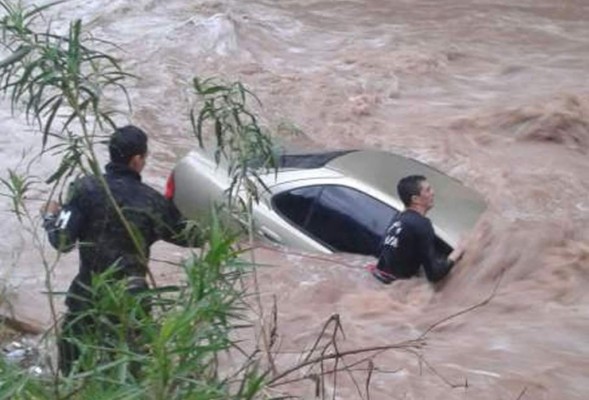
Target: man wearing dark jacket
<point>409,240</point>
<point>105,240</point>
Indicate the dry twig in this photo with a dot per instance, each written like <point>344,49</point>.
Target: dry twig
<point>523,392</point>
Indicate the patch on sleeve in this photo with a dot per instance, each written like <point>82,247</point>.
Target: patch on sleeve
<point>63,219</point>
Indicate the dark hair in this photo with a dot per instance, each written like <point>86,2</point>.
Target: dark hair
<point>125,143</point>
<point>409,186</point>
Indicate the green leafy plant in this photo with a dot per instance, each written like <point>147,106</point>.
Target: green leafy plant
<point>247,150</point>
<point>59,82</point>
<point>170,353</point>
<point>224,110</point>
<point>17,186</point>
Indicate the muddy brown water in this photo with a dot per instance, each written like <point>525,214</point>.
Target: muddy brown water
<point>493,93</point>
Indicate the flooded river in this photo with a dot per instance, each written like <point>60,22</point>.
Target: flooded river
<point>494,93</point>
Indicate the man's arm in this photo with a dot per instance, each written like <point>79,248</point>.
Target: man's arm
<point>435,269</point>
<point>174,228</point>
<point>62,225</point>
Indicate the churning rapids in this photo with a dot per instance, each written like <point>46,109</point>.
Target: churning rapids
<point>494,93</point>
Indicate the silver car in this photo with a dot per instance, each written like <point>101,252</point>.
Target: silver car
<point>336,201</point>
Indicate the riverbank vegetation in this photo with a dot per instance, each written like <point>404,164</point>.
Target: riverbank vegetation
<point>60,83</point>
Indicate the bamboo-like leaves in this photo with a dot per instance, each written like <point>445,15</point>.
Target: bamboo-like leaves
<point>17,187</point>
<point>58,81</point>
<point>53,75</point>
<point>238,136</point>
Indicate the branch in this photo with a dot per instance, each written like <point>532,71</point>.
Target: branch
<point>465,311</point>
<point>371,368</point>
<point>523,392</point>
<point>401,345</point>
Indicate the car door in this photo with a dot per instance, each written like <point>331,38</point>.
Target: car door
<point>339,217</point>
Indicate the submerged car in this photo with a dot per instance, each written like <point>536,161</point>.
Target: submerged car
<point>333,201</point>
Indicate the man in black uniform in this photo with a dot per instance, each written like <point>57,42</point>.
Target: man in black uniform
<point>409,240</point>
<point>105,242</point>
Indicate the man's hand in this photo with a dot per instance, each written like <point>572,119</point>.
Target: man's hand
<point>51,207</point>
<point>458,251</point>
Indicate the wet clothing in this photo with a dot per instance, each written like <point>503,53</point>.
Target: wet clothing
<point>89,218</point>
<point>408,244</point>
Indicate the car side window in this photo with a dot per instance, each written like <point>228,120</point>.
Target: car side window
<point>295,205</point>
<point>342,218</point>
<point>349,220</point>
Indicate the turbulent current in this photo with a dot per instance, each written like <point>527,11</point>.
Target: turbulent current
<point>494,93</point>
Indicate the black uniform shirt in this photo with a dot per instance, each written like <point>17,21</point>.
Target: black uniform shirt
<point>408,244</point>
<point>90,219</point>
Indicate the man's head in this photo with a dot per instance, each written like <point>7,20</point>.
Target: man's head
<point>416,192</point>
<point>128,146</point>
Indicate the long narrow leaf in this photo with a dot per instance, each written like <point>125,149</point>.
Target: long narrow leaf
<point>39,9</point>
<point>54,109</point>
<point>15,57</point>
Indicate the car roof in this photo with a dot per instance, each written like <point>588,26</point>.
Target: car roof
<point>456,207</point>
<point>309,160</point>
